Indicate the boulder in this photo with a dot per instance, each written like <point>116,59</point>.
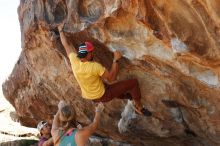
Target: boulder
<point>171,47</point>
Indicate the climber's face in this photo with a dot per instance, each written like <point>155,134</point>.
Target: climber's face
<point>46,129</point>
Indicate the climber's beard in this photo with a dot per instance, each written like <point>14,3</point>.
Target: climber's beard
<point>91,59</point>
<point>91,56</point>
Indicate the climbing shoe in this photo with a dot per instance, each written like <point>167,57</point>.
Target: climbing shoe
<point>144,112</point>
<point>171,103</point>
<point>128,96</point>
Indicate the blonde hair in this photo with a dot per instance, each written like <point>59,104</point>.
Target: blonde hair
<point>67,117</point>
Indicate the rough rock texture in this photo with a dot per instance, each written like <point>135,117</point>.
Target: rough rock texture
<point>171,46</point>
<point>23,142</point>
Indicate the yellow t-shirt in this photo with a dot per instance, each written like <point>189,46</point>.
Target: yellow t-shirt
<point>88,75</point>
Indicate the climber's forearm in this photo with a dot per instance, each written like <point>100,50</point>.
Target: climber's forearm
<point>113,72</point>
<point>68,47</point>
<point>56,122</point>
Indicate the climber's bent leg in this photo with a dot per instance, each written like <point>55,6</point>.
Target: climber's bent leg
<point>127,89</point>
<point>121,90</point>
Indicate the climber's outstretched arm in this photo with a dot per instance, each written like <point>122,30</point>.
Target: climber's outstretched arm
<point>111,75</point>
<point>55,131</point>
<point>83,134</point>
<point>68,47</point>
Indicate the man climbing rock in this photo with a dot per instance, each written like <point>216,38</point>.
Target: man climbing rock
<point>46,138</point>
<point>90,75</point>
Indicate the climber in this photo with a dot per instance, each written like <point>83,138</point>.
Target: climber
<point>90,76</point>
<point>44,128</point>
<point>64,131</point>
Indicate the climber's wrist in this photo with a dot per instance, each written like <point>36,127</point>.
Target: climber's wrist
<point>61,30</point>
<point>115,60</point>
<point>98,110</point>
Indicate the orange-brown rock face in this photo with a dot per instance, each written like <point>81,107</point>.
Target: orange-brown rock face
<point>171,46</point>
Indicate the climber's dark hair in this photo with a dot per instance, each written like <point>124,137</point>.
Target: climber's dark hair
<point>82,55</point>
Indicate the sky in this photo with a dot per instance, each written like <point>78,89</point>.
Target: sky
<point>10,49</point>
<point>10,38</point>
